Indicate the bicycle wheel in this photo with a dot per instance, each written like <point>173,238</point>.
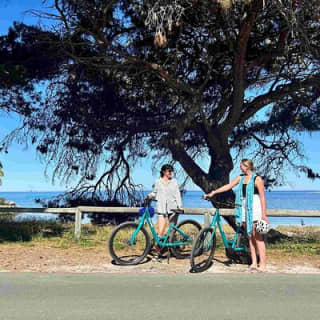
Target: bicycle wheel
<point>203,250</point>
<point>191,228</point>
<point>126,250</point>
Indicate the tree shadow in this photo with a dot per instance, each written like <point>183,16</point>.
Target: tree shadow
<point>198,268</point>
<point>146,260</point>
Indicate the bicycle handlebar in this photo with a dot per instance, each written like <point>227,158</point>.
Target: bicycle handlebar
<point>146,202</point>
<point>177,211</point>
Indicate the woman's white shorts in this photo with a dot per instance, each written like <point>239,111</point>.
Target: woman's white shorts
<point>256,208</point>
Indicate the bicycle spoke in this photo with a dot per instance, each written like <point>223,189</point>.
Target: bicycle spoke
<point>190,230</point>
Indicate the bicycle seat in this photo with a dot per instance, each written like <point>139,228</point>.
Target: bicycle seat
<point>177,211</point>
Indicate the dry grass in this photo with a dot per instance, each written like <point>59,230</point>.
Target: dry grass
<point>294,241</point>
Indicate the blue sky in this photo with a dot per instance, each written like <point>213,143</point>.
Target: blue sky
<point>24,171</point>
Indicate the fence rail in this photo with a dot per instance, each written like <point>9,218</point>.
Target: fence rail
<point>79,211</point>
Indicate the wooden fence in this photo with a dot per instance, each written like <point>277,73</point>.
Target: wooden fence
<point>79,211</point>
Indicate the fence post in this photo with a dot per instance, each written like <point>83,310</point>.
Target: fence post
<point>207,219</point>
<point>77,225</point>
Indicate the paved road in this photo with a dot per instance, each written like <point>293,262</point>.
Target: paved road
<point>192,296</point>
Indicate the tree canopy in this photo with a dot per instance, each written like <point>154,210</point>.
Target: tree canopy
<point>112,81</point>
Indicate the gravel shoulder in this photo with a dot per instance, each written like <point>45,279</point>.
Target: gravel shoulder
<point>46,259</point>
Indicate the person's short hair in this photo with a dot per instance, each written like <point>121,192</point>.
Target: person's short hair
<point>164,168</point>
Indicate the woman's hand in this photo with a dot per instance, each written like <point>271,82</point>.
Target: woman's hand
<point>208,195</point>
<point>265,218</point>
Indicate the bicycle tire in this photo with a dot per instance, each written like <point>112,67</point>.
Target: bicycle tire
<point>120,247</point>
<point>190,228</point>
<point>202,252</point>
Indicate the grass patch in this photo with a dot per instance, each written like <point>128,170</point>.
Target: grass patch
<point>298,240</point>
<point>289,240</point>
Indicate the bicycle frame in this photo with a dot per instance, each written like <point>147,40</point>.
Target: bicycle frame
<point>216,222</point>
<point>161,241</point>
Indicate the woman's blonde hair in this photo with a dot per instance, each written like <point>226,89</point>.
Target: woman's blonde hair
<point>248,163</point>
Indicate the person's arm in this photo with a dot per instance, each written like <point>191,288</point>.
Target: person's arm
<point>178,196</point>
<point>224,188</point>
<point>155,188</point>
<point>260,186</point>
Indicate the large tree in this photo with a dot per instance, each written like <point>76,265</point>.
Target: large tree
<point>178,79</point>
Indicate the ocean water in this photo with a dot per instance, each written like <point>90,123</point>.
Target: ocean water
<point>295,200</point>
<point>298,200</point>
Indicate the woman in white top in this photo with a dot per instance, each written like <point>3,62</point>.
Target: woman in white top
<point>167,194</point>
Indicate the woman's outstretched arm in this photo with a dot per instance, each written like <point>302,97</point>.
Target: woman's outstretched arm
<point>224,188</point>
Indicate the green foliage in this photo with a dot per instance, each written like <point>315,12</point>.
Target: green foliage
<point>71,201</point>
<point>27,230</point>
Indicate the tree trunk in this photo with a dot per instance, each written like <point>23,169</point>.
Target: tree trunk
<point>219,173</point>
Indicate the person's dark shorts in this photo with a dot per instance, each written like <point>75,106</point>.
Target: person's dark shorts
<point>166,215</point>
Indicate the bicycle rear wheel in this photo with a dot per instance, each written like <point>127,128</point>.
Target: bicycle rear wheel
<point>203,249</point>
<point>126,250</point>
<point>189,227</point>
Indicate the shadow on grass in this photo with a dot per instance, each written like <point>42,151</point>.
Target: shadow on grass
<point>15,231</point>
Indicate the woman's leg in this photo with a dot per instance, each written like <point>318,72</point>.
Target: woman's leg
<point>174,219</point>
<point>258,238</point>
<point>261,246</point>
<point>253,247</point>
<point>162,222</point>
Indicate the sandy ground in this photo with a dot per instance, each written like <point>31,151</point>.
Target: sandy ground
<point>21,258</point>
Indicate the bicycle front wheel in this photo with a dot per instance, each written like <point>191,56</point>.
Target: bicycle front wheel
<point>203,249</point>
<point>190,229</point>
<point>128,247</point>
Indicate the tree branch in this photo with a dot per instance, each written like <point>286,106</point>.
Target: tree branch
<point>281,91</point>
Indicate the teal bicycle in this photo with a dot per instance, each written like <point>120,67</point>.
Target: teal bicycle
<point>204,245</point>
<point>130,243</point>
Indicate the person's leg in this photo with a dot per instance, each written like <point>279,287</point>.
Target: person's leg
<point>174,219</point>
<point>253,248</point>
<point>261,246</point>
<point>162,222</point>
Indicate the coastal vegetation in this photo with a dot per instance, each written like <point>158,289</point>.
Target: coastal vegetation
<point>289,240</point>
